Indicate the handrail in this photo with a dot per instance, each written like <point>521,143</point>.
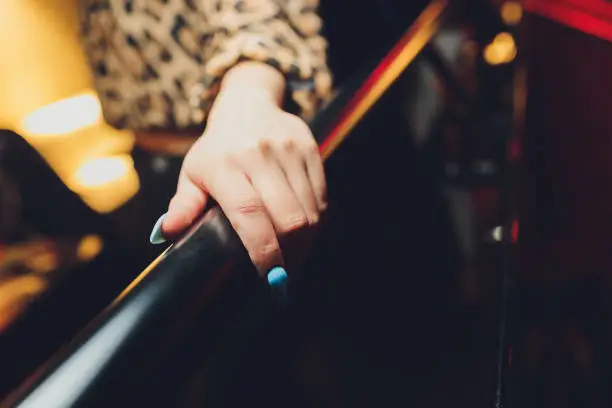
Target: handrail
<point>180,292</point>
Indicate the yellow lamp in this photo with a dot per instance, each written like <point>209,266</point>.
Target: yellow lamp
<point>47,97</point>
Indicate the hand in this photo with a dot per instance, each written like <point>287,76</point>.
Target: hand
<point>260,164</point>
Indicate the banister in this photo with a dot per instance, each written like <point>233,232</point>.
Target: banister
<point>138,335</point>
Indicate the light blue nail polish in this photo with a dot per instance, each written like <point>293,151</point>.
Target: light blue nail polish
<point>279,283</point>
<point>156,234</point>
<point>277,276</point>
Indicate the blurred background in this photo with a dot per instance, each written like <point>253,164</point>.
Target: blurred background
<point>421,291</point>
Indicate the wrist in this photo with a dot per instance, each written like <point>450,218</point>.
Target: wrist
<point>253,79</point>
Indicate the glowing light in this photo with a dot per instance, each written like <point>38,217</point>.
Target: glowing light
<point>105,170</point>
<point>21,286</point>
<point>502,50</point>
<point>105,183</point>
<point>48,98</point>
<point>511,12</point>
<point>64,116</point>
<point>15,294</point>
<point>514,232</point>
<point>497,233</point>
<point>43,262</point>
<point>89,247</point>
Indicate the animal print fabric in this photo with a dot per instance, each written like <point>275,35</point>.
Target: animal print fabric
<point>157,64</point>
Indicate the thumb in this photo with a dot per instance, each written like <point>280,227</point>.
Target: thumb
<point>185,207</point>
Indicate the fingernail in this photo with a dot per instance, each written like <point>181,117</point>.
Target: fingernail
<point>156,234</point>
<point>278,281</point>
<point>277,277</point>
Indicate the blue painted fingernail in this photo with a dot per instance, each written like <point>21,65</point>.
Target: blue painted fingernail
<point>156,234</point>
<point>279,283</point>
<point>277,277</point>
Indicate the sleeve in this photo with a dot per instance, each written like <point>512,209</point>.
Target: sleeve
<point>282,33</point>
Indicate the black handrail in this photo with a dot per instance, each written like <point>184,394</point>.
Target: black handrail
<point>175,303</point>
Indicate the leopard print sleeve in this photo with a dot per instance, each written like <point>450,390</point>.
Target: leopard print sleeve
<point>281,33</point>
<point>158,63</point>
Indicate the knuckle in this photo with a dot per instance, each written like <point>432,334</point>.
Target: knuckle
<point>265,254</point>
<point>288,145</point>
<point>311,149</point>
<point>249,206</point>
<point>264,147</point>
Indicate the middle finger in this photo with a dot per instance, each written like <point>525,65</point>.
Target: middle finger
<point>269,180</point>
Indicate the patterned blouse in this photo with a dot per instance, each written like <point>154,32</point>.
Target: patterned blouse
<point>157,64</point>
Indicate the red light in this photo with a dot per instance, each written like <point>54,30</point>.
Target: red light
<point>514,232</point>
<point>593,17</point>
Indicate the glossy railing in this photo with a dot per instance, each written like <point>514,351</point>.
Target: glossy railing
<point>182,309</point>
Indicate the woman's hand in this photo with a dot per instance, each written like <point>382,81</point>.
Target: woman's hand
<point>258,162</point>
